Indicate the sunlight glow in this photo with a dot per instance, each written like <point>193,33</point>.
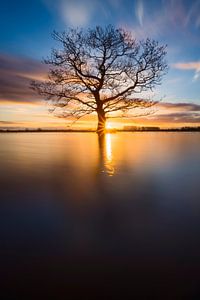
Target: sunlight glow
<point>108,125</point>
<point>110,128</point>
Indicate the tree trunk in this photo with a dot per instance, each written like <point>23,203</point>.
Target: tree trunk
<point>101,122</point>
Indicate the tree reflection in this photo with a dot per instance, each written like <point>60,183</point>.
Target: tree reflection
<point>105,154</point>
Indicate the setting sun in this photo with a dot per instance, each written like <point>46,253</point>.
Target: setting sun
<point>109,125</point>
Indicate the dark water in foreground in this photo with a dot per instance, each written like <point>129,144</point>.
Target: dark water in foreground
<point>86,219</point>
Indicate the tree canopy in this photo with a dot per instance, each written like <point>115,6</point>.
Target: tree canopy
<point>101,70</point>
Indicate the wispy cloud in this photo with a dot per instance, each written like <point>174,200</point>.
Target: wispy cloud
<point>139,11</point>
<point>194,65</point>
<point>197,75</point>
<point>193,14</point>
<point>77,13</point>
<point>198,21</point>
<point>15,76</point>
<point>166,20</point>
<point>157,22</point>
<point>9,123</point>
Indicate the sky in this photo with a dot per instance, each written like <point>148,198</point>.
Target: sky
<point>26,39</point>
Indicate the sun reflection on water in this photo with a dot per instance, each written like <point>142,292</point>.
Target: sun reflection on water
<point>108,148</point>
<point>108,155</point>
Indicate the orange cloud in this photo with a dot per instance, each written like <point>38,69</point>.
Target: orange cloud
<point>194,65</point>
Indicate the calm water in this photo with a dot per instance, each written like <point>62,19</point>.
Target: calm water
<point>120,214</point>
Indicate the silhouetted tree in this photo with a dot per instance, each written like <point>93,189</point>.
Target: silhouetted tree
<point>101,70</point>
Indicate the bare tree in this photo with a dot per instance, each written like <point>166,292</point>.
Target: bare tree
<point>101,70</point>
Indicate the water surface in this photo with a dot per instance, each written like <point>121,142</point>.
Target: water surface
<point>78,213</point>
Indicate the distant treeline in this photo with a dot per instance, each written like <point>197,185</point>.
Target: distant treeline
<point>44,130</point>
<point>153,128</point>
<point>126,129</point>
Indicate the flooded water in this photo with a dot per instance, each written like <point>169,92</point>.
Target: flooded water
<point>84,215</point>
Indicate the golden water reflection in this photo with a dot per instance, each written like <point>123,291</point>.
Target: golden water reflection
<point>78,156</point>
<point>106,154</point>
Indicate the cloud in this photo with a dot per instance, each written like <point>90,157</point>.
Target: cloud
<point>176,118</point>
<point>77,13</point>
<point>198,21</point>
<point>176,113</point>
<point>188,65</point>
<point>167,114</point>
<point>15,76</point>
<point>158,22</point>
<point>165,20</point>
<point>8,122</point>
<point>139,11</point>
<point>193,14</point>
<point>196,75</point>
<point>194,65</point>
<point>189,107</point>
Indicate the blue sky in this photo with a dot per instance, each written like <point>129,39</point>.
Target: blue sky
<point>26,39</point>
